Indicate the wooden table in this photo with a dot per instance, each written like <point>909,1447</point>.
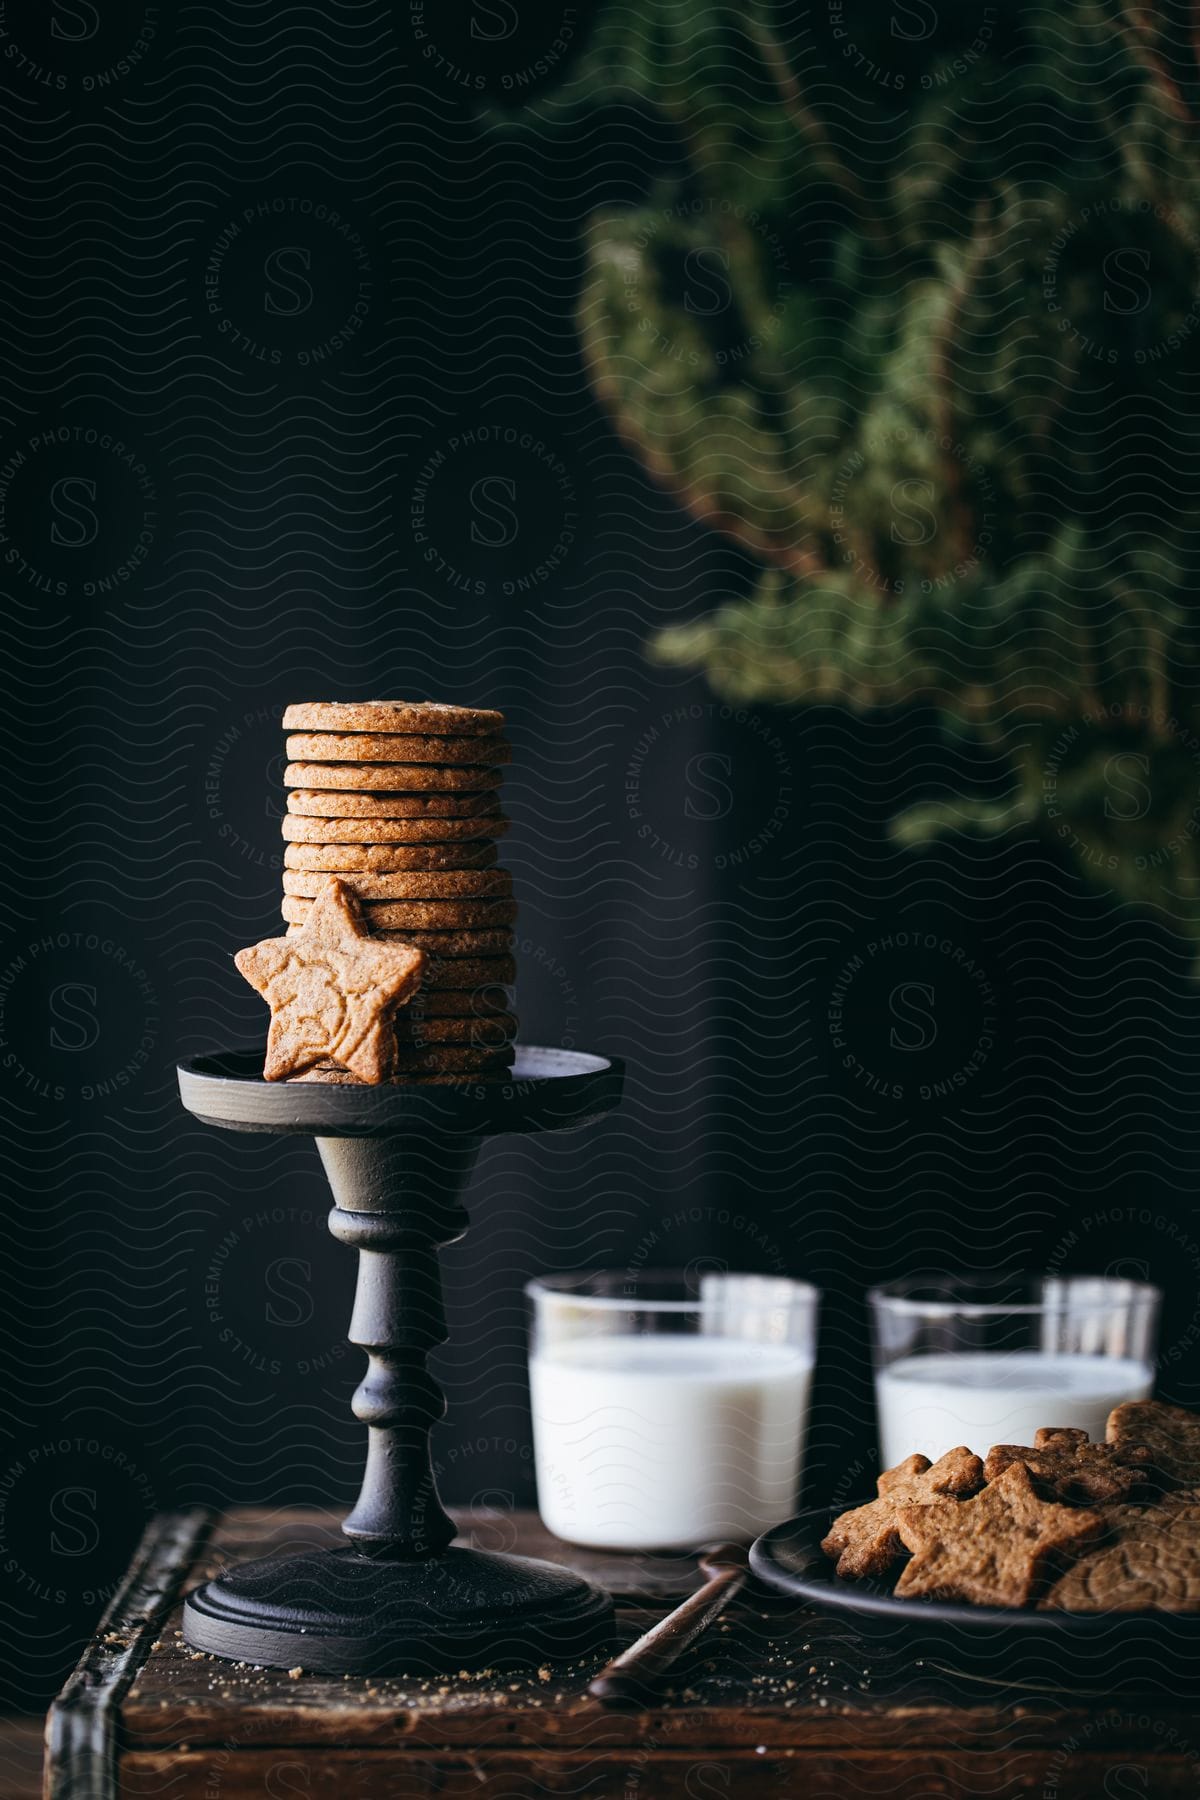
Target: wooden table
<point>774,1702</point>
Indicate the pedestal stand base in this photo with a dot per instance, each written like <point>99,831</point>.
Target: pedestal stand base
<point>338,1612</point>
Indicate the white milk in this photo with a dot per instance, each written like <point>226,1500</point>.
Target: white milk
<point>932,1403</point>
<point>660,1442</point>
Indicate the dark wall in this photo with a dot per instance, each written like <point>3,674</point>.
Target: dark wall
<point>293,408</point>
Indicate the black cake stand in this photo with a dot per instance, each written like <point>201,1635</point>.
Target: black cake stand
<point>399,1597</point>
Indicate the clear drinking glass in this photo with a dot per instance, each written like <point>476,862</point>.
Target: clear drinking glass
<point>669,1409</point>
<point>983,1360</point>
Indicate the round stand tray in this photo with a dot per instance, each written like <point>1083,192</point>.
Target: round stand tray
<point>546,1090</point>
<point>1018,1648</point>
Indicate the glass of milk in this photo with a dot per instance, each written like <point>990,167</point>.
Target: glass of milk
<point>669,1409</point>
<point>983,1360</point>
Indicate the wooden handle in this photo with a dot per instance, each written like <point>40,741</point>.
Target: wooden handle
<point>630,1678</point>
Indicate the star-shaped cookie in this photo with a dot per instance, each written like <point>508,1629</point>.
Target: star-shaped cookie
<point>1170,1433</point>
<point>992,1550</point>
<point>1066,1465</point>
<point>864,1540</point>
<point>1152,1561</point>
<point>333,990</point>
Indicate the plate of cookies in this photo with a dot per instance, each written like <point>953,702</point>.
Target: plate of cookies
<point>1082,1556</point>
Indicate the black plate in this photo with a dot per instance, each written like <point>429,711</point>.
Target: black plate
<point>1143,1649</point>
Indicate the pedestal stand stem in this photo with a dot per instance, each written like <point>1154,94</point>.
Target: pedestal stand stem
<point>398,1319</point>
<point>397,1205</point>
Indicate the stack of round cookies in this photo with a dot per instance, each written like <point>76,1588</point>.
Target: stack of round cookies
<point>400,800</point>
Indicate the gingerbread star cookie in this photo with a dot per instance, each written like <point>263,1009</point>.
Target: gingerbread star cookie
<point>993,1550</point>
<point>1066,1465</point>
<point>1152,1561</point>
<point>1171,1434</point>
<point>865,1539</point>
<point>333,990</point>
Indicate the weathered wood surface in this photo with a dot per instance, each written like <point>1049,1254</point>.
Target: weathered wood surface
<point>500,1775</point>
<point>772,1702</point>
<point>21,1746</point>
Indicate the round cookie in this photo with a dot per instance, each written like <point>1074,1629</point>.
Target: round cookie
<point>334,803</point>
<point>443,1059</point>
<point>480,1001</point>
<point>465,974</point>
<point>387,859</point>
<point>384,747</point>
<point>430,778</point>
<point>332,1077</point>
<point>438,1059</point>
<point>453,967</point>
<point>470,943</point>
<point>490,1033</point>
<point>420,716</point>
<point>481,1078</point>
<point>417,915</point>
<point>427,832</point>
<point>465,886</point>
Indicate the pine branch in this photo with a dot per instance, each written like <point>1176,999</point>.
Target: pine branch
<point>795,559</point>
<point>942,371</point>
<point>984,352</point>
<point>810,126</point>
<point>1141,39</point>
<point>1159,724</point>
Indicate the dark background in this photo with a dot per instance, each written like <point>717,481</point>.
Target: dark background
<point>299,510</point>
